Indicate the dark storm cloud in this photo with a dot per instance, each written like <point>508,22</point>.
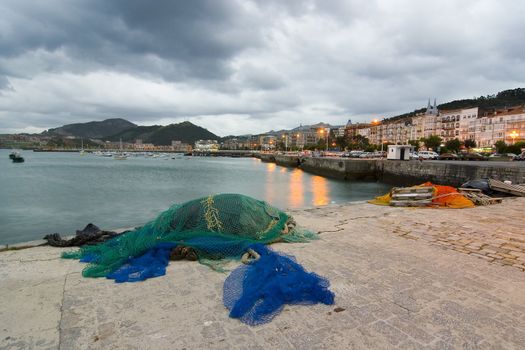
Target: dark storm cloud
<point>188,39</point>
<point>242,66</point>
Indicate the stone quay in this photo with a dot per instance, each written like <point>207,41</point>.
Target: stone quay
<point>399,172</point>
<point>403,278</point>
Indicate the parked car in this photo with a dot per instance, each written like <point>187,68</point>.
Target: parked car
<point>520,157</point>
<point>413,155</point>
<point>355,154</point>
<point>448,156</point>
<point>428,155</point>
<point>473,156</point>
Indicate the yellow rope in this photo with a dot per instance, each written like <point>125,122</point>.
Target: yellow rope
<point>211,214</point>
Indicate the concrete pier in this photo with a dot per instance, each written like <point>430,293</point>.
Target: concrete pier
<point>403,279</point>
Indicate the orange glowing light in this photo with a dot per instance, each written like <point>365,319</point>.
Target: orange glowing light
<point>296,189</point>
<point>320,190</point>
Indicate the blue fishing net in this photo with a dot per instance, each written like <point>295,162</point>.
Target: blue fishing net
<point>217,228</point>
<point>151,264</point>
<point>257,292</point>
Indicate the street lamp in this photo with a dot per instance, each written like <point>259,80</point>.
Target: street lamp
<point>513,135</point>
<point>322,131</point>
<point>285,142</point>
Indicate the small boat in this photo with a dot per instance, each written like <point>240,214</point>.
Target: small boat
<point>12,155</point>
<point>17,158</point>
<point>120,155</point>
<point>82,152</point>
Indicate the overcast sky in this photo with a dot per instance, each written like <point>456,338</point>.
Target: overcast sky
<point>244,66</point>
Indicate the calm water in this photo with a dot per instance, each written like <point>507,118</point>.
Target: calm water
<point>62,192</point>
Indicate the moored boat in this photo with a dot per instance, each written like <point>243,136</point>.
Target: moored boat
<point>17,158</point>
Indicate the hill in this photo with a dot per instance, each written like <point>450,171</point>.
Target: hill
<point>163,135</point>
<point>503,99</point>
<point>94,129</point>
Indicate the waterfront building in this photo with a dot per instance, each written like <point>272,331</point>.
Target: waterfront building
<point>179,146</point>
<point>365,131</point>
<point>455,124</point>
<point>504,124</point>
<point>206,146</point>
<point>267,142</point>
<point>236,143</point>
<point>353,129</point>
<point>432,110</point>
<point>140,146</point>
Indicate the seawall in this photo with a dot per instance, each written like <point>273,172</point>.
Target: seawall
<point>448,173</point>
<point>399,172</point>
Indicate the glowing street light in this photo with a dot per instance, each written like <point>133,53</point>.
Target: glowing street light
<point>513,135</point>
<point>322,131</point>
<point>297,141</point>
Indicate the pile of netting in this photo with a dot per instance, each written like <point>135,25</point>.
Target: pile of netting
<point>214,230</point>
<point>256,292</point>
<point>443,196</point>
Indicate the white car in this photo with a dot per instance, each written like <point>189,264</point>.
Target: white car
<point>413,155</point>
<point>428,155</point>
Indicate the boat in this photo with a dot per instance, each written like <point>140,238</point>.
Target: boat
<point>120,155</point>
<point>82,152</point>
<point>16,157</point>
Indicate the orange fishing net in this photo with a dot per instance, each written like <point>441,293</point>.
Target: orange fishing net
<point>444,196</point>
<point>448,196</point>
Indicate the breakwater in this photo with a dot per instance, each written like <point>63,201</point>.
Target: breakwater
<point>400,172</point>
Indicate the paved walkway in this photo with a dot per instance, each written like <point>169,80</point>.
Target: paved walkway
<point>403,278</point>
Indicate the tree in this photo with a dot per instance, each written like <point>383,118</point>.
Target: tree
<point>433,142</point>
<point>515,148</point>
<point>453,145</point>
<point>414,143</point>
<point>358,142</point>
<point>501,146</point>
<point>469,143</point>
<point>341,142</point>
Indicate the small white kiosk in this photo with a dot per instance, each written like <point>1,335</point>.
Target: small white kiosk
<point>399,152</point>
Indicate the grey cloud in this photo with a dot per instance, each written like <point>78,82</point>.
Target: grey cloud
<point>192,39</point>
<point>5,84</point>
<point>257,62</point>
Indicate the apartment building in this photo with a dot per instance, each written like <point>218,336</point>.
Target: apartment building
<point>486,128</point>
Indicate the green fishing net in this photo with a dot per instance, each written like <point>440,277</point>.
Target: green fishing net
<point>217,227</point>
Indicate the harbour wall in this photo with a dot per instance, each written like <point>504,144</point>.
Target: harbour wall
<point>398,172</point>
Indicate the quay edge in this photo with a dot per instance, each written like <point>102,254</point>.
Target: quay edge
<point>398,172</point>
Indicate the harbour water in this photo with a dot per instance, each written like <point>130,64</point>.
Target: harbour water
<point>62,192</point>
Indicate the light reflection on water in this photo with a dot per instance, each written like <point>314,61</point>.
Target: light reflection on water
<point>61,192</point>
<point>320,190</point>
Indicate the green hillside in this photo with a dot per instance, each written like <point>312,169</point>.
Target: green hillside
<point>94,129</point>
<point>163,135</point>
<point>507,98</point>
